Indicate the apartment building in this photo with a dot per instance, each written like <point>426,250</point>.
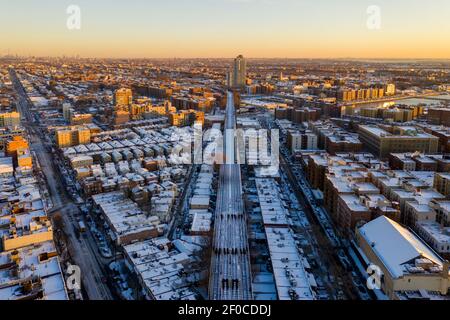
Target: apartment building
<point>412,162</point>
<point>408,139</point>
<point>297,115</point>
<point>186,118</point>
<point>443,133</point>
<point>72,137</point>
<point>439,116</point>
<point>298,141</point>
<point>335,139</point>
<point>9,119</point>
<point>442,183</point>
<point>123,97</point>
<point>348,94</point>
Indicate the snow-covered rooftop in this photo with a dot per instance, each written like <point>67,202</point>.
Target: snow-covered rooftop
<point>396,246</point>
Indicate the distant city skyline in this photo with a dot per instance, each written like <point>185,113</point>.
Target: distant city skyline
<point>325,29</point>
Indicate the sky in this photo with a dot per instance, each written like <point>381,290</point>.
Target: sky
<point>225,28</point>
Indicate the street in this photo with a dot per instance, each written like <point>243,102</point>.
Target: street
<point>338,280</point>
<point>81,251</point>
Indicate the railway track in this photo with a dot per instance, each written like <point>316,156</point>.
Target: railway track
<point>230,275</point>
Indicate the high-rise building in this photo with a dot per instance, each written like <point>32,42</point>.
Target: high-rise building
<point>67,111</point>
<point>238,75</point>
<point>123,97</point>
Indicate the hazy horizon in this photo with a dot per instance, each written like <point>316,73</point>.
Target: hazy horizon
<point>3,55</point>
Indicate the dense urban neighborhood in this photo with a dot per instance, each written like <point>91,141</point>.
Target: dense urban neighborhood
<point>224,179</point>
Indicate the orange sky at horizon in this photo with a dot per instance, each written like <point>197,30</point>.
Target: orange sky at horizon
<point>254,28</point>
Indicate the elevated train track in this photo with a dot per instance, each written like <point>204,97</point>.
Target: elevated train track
<point>230,273</point>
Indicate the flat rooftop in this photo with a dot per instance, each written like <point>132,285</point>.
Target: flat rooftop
<point>434,230</point>
<point>288,266</point>
<point>272,208</point>
<point>123,214</point>
<point>161,269</point>
<point>31,262</point>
